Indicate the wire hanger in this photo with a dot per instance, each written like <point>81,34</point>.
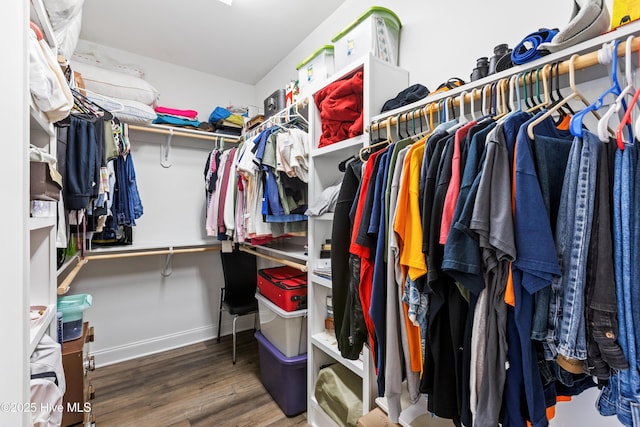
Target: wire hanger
<point>572,95</point>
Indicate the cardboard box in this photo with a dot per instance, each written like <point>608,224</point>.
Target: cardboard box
<point>375,418</point>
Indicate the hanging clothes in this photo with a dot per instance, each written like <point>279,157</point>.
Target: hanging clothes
<point>258,191</point>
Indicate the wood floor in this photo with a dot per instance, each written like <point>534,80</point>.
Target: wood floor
<point>194,386</point>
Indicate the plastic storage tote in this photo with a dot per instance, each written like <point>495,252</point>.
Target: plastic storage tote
<point>376,31</point>
<point>72,308</point>
<point>286,330</point>
<point>285,378</point>
<point>316,67</point>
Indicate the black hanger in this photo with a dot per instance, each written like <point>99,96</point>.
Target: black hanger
<point>406,125</point>
<point>89,107</point>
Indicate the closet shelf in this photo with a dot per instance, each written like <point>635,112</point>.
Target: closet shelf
<point>336,148</point>
<point>37,223</point>
<point>289,247</point>
<point>187,133</point>
<point>252,251</point>
<point>39,121</point>
<point>328,216</point>
<point>328,344</point>
<point>325,420</point>
<point>38,330</point>
<point>323,281</point>
<point>588,57</point>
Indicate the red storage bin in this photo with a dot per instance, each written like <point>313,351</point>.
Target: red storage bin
<point>284,286</point>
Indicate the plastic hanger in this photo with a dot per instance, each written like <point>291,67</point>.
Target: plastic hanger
<point>574,94</point>
<point>501,101</point>
<point>423,131</point>
<point>462,119</point>
<point>86,104</point>
<point>528,90</point>
<point>472,104</point>
<point>636,128</point>
<point>554,82</point>
<point>406,125</point>
<point>626,119</point>
<point>36,29</point>
<point>576,124</point>
<point>603,131</point>
<point>364,152</point>
<point>483,108</point>
<point>514,91</point>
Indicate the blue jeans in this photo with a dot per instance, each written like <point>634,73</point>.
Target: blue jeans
<point>621,396</point>
<point>573,232</point>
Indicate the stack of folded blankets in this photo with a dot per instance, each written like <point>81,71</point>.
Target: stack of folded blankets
<point>118,88</point>
<point>176,117</point>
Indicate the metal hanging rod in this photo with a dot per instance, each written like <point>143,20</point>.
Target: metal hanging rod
<point>64,286</point>
<point>187,133</point>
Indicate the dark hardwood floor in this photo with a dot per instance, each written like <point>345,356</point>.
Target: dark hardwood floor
<point>191,386</point>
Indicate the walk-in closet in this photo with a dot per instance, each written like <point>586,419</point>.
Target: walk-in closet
<point>325,213</point>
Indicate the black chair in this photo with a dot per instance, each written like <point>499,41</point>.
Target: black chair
<point>237,296</point>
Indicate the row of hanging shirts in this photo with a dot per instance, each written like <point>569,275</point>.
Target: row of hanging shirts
<point>258,191</point>
<point>497,238</point>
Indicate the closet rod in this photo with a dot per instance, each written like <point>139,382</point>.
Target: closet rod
<point>581,62</point>
<point>64,286</point>
<point>185,133</point>
<point>301,267</point>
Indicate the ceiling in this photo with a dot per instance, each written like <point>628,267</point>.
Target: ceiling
<point>242,42</point>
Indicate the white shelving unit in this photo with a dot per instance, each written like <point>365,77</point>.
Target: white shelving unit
<point>382,81</point>
<point>29,255</point>
<point>42,230</point>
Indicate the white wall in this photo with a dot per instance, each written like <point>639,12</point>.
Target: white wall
<point>439,39</point>
<point>181,87</point>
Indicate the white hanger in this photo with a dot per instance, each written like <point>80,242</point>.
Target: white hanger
<point>514,90</point>
<point>574,94</point>
<point>473,104</point>
<point>603,124</point>
<point>484,99</point>
<point>463,118</point>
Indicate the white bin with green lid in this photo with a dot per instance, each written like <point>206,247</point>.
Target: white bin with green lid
<point>72,308</point>
<point>316,67</point>
<point>376,31</point>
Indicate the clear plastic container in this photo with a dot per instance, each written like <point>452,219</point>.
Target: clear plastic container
<point>72,308</point>
<point>376,31</point>
<point>286,330</point>
<point>316,68</point>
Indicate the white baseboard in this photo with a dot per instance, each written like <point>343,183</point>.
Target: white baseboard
<point>121,353</point>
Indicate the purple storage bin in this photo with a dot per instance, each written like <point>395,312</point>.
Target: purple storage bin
<point>285,378</point>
